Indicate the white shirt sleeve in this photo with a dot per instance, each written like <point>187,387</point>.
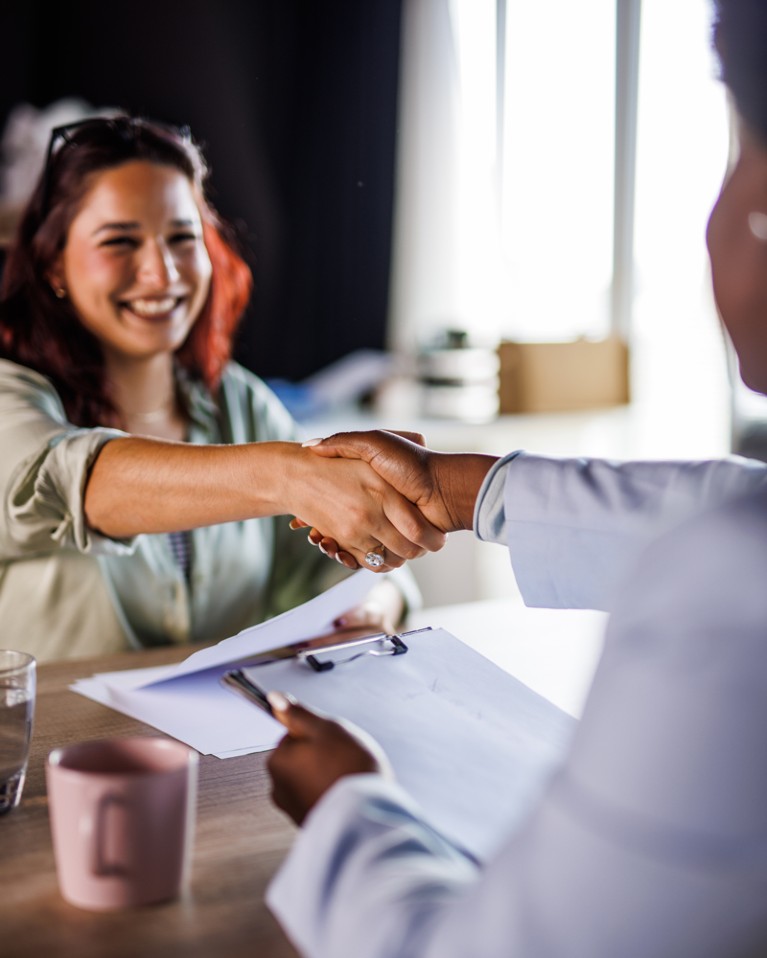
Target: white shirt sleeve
<point>652,840</point>
<point>575,526</point>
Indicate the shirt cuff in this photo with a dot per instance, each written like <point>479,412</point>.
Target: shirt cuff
<point>339,842</point>
<point>489,513</point>
<point>45,504</point>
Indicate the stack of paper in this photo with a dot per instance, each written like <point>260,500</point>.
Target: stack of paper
<point>187,700</point>
<point>470,742</point>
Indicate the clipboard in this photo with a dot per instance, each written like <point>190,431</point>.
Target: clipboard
<point>473,745</point>
<point>320,659</point>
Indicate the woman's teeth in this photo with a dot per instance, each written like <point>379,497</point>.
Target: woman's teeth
<point>152,307</point>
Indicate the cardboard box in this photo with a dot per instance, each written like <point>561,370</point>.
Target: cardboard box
<point>560,377</point>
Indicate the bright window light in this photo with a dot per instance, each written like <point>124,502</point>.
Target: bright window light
<point>682,146</point>
<point>558,173</point>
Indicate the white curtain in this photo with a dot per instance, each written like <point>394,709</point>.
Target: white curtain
<point>446,207</point>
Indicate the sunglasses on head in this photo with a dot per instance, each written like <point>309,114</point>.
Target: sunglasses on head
<point>70,135</point>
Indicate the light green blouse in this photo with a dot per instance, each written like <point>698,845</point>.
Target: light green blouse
<point>67,592</point>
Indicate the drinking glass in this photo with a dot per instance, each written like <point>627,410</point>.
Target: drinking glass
<point>17,709</point>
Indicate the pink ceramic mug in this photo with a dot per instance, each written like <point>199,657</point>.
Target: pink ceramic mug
<point>122,818</point>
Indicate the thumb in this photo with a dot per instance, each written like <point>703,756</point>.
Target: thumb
<point>349,445</point>
<point>367,446</point>
<point>299,721</point>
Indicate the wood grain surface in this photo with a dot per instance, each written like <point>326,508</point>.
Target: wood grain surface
<point>240,841</point>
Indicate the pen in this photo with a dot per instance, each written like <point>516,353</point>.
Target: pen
<point>237,680</point>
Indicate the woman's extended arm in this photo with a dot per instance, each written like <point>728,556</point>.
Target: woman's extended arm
<point>141,485</point>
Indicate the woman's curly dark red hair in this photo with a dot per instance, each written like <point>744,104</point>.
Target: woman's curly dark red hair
<point>43,332</point>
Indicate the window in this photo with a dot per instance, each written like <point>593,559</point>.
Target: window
<point>557,177</point>
<point>507,180</point>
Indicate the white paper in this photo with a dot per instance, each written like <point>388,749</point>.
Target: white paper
<point>187,700</point>
<point>443,713</point>
<point>472,744</point>
<point>195,709</point>
<point>314,617</point>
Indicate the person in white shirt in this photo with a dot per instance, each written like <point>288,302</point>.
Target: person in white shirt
<point>651,840</point>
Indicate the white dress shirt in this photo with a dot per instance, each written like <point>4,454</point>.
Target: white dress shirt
<point>652,839</point>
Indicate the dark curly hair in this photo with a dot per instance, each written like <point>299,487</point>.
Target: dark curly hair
<point>43,332</point>
<point>740,40</point>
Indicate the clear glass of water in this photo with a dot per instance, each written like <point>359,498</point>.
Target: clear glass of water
<point>17,709</point>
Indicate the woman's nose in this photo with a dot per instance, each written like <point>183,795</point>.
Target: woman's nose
<point>157,265</point>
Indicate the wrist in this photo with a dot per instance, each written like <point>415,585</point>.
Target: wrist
<point>281,476</point>
<point>458,479</point>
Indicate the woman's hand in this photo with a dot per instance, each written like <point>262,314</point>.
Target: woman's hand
<point>314,754</point>
<point>356,508</point>
<point>381,611</point>
<point>402,459</point>
<point>444,486</point>
<point>325,544</point>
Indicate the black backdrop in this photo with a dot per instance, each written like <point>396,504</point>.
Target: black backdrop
<point>295,101</point>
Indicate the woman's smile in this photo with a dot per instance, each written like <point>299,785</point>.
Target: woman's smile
<point>154,308</point>
<point>135,267</point>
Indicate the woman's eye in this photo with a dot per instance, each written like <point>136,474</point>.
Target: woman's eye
<point>184,237</point>
<point>124,242</point>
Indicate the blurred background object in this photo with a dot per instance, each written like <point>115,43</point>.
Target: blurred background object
<point>556,377</point>
<point>23,144</point>
<point>458,378</point>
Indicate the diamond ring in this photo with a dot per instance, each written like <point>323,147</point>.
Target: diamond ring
<point>375,558</point>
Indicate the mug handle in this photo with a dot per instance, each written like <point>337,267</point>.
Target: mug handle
<point>108,805</point>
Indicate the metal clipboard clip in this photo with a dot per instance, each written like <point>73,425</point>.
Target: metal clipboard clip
<point>381,644</point>
<point>312,656</point>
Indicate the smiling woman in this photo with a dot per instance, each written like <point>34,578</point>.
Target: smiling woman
<point>141,470</point>
<point>47,332</point>
<point>136,270</point>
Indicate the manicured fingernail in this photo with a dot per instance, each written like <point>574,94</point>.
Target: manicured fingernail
<point>278,701</point>
<point>311,442</point>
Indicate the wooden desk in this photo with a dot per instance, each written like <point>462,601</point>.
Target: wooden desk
<point>240,840</point>
<point>240,837</point>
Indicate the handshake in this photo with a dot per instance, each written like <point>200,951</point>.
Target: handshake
<point>400,504</point>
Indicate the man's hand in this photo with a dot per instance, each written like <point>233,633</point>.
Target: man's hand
<point>444,486</point>
<point>314,754</point>
<point>348,499</point>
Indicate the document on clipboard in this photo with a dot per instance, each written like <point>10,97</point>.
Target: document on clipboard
<point>471,744</point>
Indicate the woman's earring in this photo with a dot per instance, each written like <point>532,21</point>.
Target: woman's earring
<point>757,224</point>
<point>60,292</point>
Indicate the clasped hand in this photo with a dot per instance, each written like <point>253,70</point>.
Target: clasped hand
<point>370,490</point>
<point>439,486</point>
